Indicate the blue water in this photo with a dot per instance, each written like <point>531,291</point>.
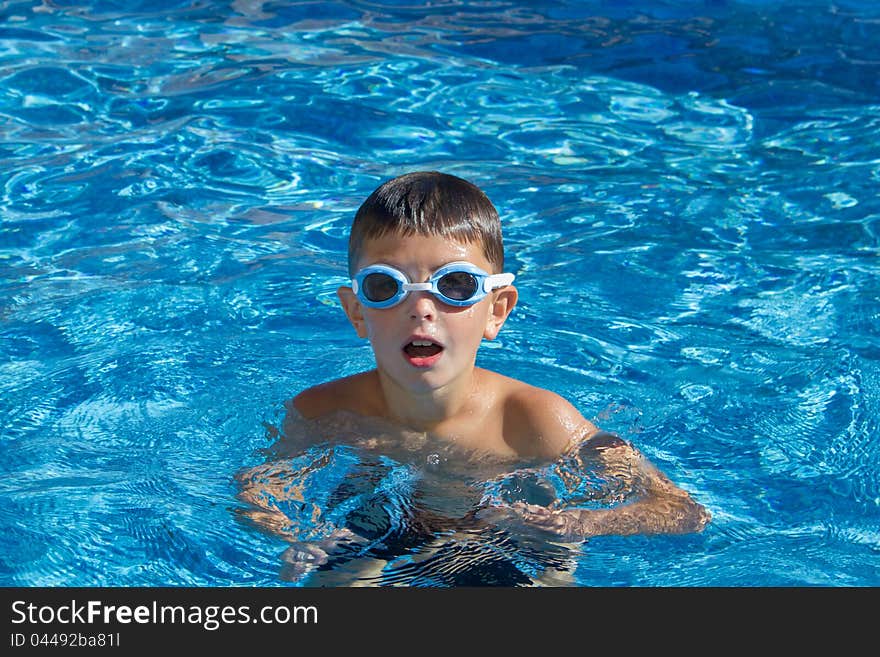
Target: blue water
<point>689,198</point>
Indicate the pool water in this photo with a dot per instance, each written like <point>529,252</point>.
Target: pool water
<point>689,199</point>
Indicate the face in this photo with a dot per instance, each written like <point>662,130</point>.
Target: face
<point>423,344</point>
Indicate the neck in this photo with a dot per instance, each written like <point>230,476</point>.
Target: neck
<point>426,411</point>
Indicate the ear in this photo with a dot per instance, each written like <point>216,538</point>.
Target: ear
<point>353,310</point>
<point>502,303</point>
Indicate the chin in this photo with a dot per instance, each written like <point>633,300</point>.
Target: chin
<point>424,382</point>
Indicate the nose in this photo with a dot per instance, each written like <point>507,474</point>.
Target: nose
<point>423,305</point>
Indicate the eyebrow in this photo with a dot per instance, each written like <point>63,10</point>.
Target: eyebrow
<point>430,270</point>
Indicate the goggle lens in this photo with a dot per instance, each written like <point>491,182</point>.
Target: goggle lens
<point>458,285</point>
<point>379,287</point>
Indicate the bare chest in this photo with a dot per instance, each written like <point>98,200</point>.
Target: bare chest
<point>476,434</point>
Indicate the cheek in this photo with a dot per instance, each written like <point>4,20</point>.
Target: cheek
<point>383,330</point>
<point>471,322</point>
<point>374,326</point>
<point>375,332</point>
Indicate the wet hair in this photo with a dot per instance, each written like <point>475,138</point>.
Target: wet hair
<point>428,203</point>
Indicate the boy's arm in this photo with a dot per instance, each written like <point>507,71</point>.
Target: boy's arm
<point>654,504</point>
<point>263,488</point>
<point>661,507</point>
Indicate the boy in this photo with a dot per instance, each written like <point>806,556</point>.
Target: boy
<point>425,258</point>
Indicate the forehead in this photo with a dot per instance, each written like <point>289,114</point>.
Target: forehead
<point>419,252</point>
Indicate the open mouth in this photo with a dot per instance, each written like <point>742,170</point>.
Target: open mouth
<point>422,349</point>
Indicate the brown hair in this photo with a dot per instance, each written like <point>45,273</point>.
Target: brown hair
<point>429,203</point>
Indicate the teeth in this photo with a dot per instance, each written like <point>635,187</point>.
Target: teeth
<point>421,343</point>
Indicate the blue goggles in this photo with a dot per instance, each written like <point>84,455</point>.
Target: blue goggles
<point>457,284</point>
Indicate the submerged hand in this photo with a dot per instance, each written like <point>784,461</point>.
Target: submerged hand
<point>520,516</point>
<point>560,522</point>
<point>304,557</point>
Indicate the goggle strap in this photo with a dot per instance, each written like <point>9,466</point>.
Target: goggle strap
<point>495,281</point>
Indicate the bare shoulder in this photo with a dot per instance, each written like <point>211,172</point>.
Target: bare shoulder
<point>356,393</point>
<point>540,422</point>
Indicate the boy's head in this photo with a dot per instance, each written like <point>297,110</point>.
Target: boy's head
<point>425,256</point>
<point>428,203</point>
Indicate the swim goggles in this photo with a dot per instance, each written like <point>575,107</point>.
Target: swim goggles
<point>457,284</point>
